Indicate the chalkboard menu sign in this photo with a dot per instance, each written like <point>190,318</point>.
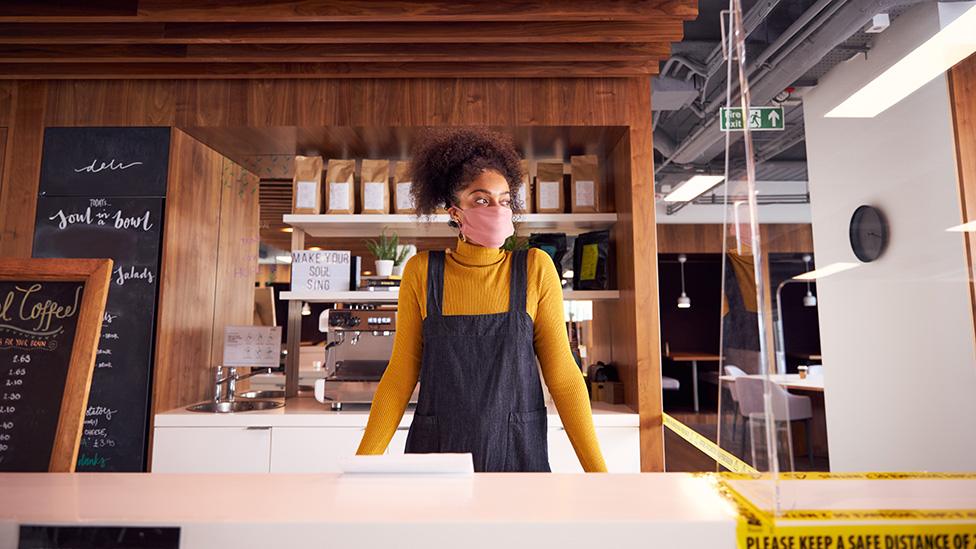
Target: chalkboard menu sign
<point>130,161</point>
<point>88,221</point>
<point>49,326</point>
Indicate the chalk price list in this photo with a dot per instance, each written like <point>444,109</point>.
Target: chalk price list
<point>10,395</point>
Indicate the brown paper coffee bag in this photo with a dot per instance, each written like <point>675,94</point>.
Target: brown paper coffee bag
<point>340,187</point>
<point>402,199</point>
<point>549,188</point>
<point>525,191</point>
<point>307,185</point>
<point>375,186</point>
<point>585,185</point>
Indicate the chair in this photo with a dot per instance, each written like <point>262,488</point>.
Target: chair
<point>670,384</point>
<point>785,407</point>
<point>734,371</point>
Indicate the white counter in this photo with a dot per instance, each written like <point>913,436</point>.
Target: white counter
<point>306,436</point>
<point>307,412</point>
<point>428,512</point>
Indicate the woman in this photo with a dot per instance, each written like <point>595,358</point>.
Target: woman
<point>472,321</point>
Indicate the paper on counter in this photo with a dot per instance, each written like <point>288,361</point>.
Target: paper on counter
<point>409,464</point>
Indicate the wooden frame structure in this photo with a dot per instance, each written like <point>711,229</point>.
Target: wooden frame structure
<point>96,274</point>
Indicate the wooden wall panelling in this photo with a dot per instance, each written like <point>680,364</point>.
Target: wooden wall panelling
<point>706,238</point>
<point>962,89</point>
<point>645,306</point>
<point>3,148</point>
<point>787,237</point>
<point>342,39</point>
<point>7,89</point>
<point>633,318</point>
<point>21,168</point>
<point>187,292</point>
<point>237,255</point>
<point>361,10</point>
<point>185,334</point>
<point>677,238</point>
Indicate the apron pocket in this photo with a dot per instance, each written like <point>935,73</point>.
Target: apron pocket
<point>527,442</point>
<point>423,437</point>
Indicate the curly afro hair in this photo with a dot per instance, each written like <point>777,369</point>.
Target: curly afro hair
<point>447,160</point>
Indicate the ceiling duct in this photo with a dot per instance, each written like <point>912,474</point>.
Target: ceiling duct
<point>803,46</point>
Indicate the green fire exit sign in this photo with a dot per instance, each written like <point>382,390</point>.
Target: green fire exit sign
<point>760,119</point>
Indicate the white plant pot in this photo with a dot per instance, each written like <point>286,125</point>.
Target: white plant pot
<point>384,267</point>
<point>398,270</point>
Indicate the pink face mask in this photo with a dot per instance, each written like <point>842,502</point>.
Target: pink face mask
<point>488,226</point>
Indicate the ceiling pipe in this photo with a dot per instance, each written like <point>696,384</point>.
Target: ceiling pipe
<point>714,62</point>
<point>708,141</point>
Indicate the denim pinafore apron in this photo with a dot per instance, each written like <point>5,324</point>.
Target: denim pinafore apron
<point>480,390</point>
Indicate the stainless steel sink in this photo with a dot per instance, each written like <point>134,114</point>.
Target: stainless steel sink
<point>227,406</point>
<point>262,394</point>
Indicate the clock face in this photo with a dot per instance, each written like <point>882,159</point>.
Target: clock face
<point>869,233</point>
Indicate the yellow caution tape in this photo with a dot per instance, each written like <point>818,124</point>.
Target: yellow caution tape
<point>877,476</point>
<point>817,475</point>
<point>758,529</point>
<point>857,536</point>
<point>709,448</point>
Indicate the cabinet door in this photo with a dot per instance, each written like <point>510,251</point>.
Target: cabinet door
<point>211,449</point>
<point>398,444</point>
<point>312,449</point>
<point>620,447</point>
<point>562,457</point>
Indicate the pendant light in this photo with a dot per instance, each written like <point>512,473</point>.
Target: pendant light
<point>809,300</point>
<point>684,302</point>
<point>306,310</point>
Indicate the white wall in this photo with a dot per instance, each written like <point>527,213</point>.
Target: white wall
<point>897,334</point>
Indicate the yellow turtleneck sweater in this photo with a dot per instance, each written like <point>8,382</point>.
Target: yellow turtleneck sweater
<point>476,281</point>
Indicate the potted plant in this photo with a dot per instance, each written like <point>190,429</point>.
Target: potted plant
<point>404,252</point>
<point>384,250</point>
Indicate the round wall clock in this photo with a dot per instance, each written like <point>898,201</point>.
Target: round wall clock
<point>869,233</point>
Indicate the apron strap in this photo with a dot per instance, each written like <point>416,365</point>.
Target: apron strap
<point>435,282</point>
<point>519,281</point>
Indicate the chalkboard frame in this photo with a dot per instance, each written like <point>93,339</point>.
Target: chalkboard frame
<point>96,275</point>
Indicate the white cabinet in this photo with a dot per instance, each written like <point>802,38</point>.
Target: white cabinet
<point>312,449</point>
<point>399,443</point>
<point>211,450</point>
<point>620,446</point>
<point>320,449</point>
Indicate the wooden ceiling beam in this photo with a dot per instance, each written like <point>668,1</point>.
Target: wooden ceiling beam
<point>345,10</point>
<point>663,30</point>
<point>329,53</point>
<point>134,71</point>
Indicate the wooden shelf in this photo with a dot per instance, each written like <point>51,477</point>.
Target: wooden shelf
<point>391,297</point>
<point>409,225</point>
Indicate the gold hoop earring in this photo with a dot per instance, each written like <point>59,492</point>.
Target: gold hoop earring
<point>461,236</point>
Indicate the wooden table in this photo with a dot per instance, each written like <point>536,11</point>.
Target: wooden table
<point>788,381</point>
<point>693,358</point>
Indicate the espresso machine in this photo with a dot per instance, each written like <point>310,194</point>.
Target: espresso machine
<point>359,342</point>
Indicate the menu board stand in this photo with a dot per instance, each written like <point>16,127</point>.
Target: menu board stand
<point>50,322</point>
